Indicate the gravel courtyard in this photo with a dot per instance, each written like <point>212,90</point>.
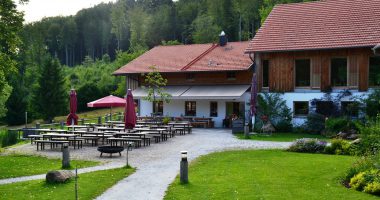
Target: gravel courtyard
<point>158,164</point>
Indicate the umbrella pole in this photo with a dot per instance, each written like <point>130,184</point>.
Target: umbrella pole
<point>111,113</point>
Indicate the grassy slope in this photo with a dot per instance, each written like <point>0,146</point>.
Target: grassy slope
<point>25,165</point>
<point>90,185</point>
<point>281,137</point>
<point>266,174</point>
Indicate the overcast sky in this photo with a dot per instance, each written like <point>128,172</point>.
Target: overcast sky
<point>37,9</point>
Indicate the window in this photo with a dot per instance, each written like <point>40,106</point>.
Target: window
<point>301,108</point>
<point>231,75</point>
<point>338,71</point>
<point>137,106</point>
<point>265,73</point>
<point>350,108</point>
<point>325,108</point>
<point>190,108</point>
<point>213,109</point>
<point>374,72</point>
<point>158,108</point>
<point>302,73</point>
<point>190,77</point>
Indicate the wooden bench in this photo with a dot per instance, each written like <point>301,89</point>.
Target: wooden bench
<point>123,141</point>
<point>53,143</point>
<point>76,143</point>
<point>94,140</point>
<point>34,137</point>
<point>145,139</point>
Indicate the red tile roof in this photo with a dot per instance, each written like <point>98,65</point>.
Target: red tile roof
<point>325,24</point>
<point>191,58</point>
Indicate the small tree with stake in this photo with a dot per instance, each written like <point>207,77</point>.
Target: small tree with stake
<point>154,86</point>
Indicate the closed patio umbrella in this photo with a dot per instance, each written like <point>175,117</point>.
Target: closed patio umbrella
<point>253,99</point>
<point>108,101</point>
<point>130,112</point>
<point>72,118</point>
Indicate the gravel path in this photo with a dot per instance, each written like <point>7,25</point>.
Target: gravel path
<point>157,165</point>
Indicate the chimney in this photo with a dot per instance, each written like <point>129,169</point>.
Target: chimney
<point>222,39</point>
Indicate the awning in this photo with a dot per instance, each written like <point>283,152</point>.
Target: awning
<point>174,91</point>
<point>200,92</point>
<point>215,92</point>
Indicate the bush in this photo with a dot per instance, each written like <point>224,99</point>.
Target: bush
<point>274,108</point>
<point>8,138</point>
<point>315,123</point>
<point>373,188</point>
<point>369,139</point>
<point>367,181</point>
<point>307,145</point>
<point>338,147</point>
<point>358,182</point>
<point>336,125</point>
<point>361,165</point>
<point>372,106</point>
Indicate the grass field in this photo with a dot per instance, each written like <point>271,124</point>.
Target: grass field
<point>24,165</point>
<point>281,137</point>
<point>266,174</point>
<point>90,185</point>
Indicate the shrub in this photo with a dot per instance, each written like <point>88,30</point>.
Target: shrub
<point>166,120</point>
<point>8,138</point>
<point>307,145</point>
<point>363,164</point>
<point>369,139</point>
<point>315,123</point>
<point>358,181</point>
<point>367,181</point>
<point>372,106</point>
<point>336,125</point>
<point>339,147</point>
<point>275,109</point>
<point>373,188</point>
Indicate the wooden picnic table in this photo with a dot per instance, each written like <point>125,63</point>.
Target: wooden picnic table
<point>53,135</point>
<point>143,136</point>
<point>74,127</point>
<point>67,137</point>
<point>109,129</point>
<point>185,125</point>
<point>50,131</point>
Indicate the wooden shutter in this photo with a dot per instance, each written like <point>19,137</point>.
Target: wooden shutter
<point>353,71</point>
<point>315,65</point>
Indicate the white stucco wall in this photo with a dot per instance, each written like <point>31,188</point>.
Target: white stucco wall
<point>309,95</point>
<point>176,108</point>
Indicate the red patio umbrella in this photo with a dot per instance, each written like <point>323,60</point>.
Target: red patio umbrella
<point>108,101</point>
<point>72,118</point>
<point>130,112</point>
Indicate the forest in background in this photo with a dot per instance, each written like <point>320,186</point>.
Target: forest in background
<point>81,51</point>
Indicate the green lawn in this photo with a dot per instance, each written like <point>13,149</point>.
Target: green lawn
<point>281,137</point>
<point>266,174</point>
<point>90,185</point>
<point>25,165</point>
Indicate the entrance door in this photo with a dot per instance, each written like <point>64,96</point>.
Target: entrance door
<point>236,108</point>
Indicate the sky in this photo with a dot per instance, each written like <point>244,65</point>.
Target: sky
<point>37,9</point>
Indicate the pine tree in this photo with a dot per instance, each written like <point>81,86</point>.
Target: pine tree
<point>50,98</point>
<point>17,103</point>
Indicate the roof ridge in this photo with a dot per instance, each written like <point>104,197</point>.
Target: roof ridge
<point>213,46</point>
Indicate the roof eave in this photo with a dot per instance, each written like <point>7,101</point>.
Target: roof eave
<point>307,49</point>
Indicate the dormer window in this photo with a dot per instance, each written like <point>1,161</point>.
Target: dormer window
<point>231,75</point>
